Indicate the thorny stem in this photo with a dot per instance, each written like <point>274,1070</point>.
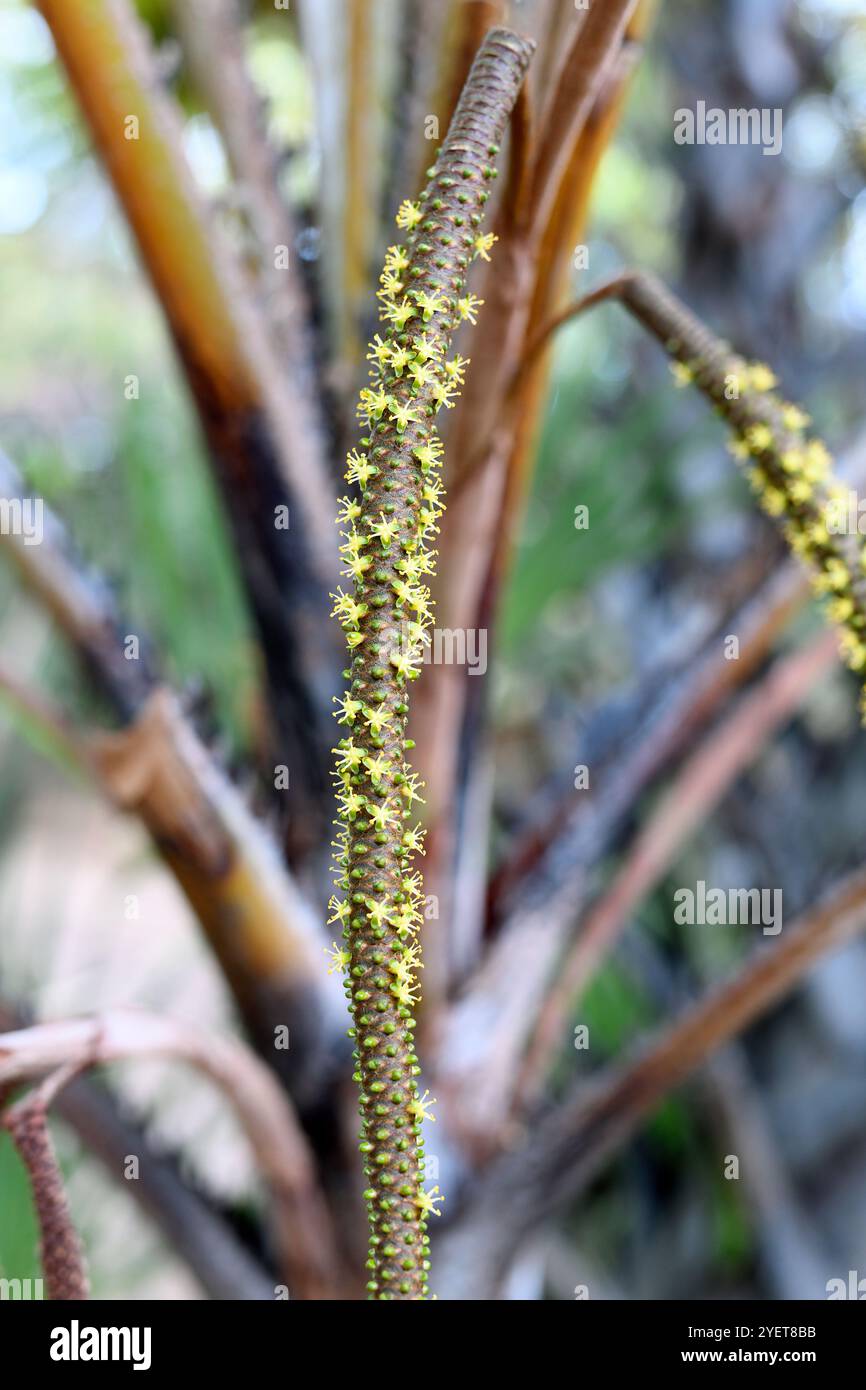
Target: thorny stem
<point>250,908</point>
<point>386,552</point>
<point>789,472</point>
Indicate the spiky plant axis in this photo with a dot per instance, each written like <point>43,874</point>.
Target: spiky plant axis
<point>388,537</point>
<point>789,470</point>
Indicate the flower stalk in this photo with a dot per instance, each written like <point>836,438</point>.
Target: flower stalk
<point>789,469</point>
<point>389,528</point>
<point>61,1253</point>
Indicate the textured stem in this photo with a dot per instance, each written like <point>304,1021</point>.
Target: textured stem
<point>212,35</point>
<point>60,1249</point>
<point>423,302</point>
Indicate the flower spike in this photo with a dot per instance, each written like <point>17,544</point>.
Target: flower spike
<point>386,550</point>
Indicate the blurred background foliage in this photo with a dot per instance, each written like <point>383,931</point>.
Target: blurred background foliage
<point>772,252</point>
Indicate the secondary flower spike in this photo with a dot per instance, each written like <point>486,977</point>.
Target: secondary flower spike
<point>388,553</point>
<point>789,469</point>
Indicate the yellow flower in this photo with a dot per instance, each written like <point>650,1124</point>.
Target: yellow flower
<point>409,961</point>
<point>429,304</point>
<point>818,458</point>
<point>402,415</point>
<point>405,664</point>
<point>443,392</point>
<point>348,709</point>
<point>408,215</point>
<point>433,492</point>
<point>852,650</point>
<point>761,377</point>
<point>348,609</point>
<point>377,766</point>
<point>400,357</point>
<point>420,375</point>
<point>739,448</point>
<point>340,957</point>
<point>793,418</point>
<point>371,404</point>
<point>377,717</point>
<point>351,803</point>
<point>759,438</point>
<point>379,351</point>
<point>381,816</point>
<point>773,501</point>
<point>426,1201</point>
<point>413,566</point>
<point>425,348</point>
<point>817,533</point>
<point>682,374</point>
<point>404,919</point>
<point>417,597</point>
<point>399,314</point>
<point>360,469</point>
<point>429,454</point>
<point>456,368</point>
<point>402,589</point>
<point>792,460</point>
<point>840,609</point>
<point>349,757</point>
<point>354,542</point>
<point>468,307</point>
<point>836,574</point>
<point>414,840</point>
<point>405,992</point>
<point>385,530</point>
<point>412,884</point>
<point>341,910</point>
<point>396,259</point>
<point>355,566</point>
<point>409,788</point>
<point>483,245</point>
<point>799,543</point>
<point>420,1108</point>
<point>391,286</point>
<point>425,560</point>
<point>377,911</point>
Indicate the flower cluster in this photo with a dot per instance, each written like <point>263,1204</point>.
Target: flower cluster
<point>389,523</point>
<point>791,474</point>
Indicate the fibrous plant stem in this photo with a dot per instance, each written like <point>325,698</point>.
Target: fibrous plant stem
<point>387,546</point>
